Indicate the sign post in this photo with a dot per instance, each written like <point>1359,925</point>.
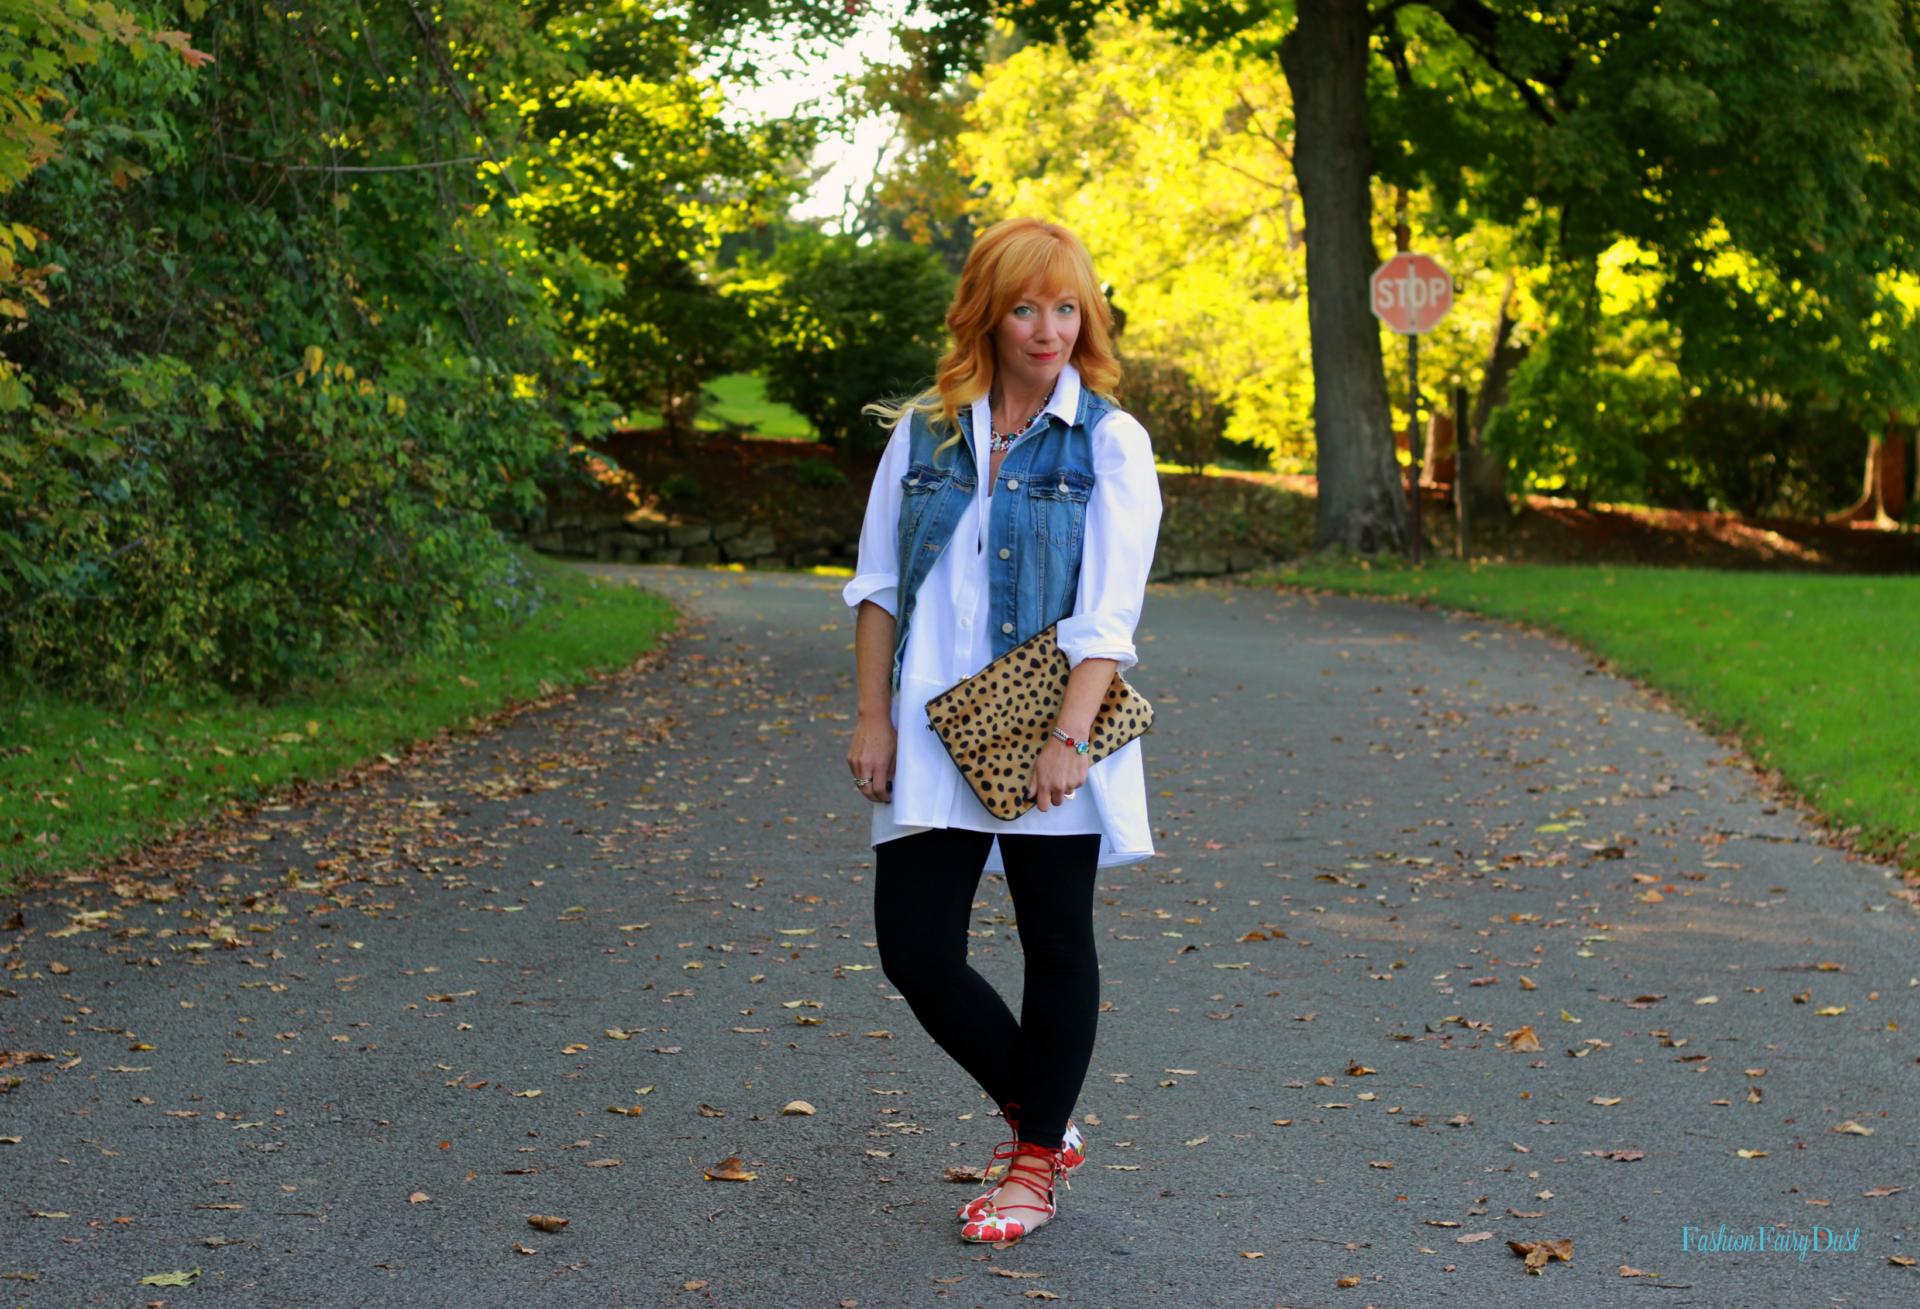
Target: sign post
<point>1411,293</point>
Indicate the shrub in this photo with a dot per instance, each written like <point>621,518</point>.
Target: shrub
<point>836,324</point>
<point>1183,418</point>
<point>815,471</point>
<point>680,488</point>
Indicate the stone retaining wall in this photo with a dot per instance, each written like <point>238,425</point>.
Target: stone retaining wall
<point>610,538</point>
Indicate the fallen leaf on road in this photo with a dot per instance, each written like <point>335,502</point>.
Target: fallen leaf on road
<point>729,1170</point>
<point>547,1222</point>
<point>1536,1253</point>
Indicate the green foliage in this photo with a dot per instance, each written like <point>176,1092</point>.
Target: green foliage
<point>680,488</point>
<point>1581,403</point>
<point>41,43</point>
<point>838,324</point>
<point>1756,457</point>
<point>273,426</point>
<point>632,133</point>
<point>1185,419</point>
<point>817,472</point>
<point>1757,160</point>
<point>316,319</point>
<point>1170,164</point>
<point>1755,165</point>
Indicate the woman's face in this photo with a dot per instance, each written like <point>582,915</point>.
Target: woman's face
<point>1034,339</point>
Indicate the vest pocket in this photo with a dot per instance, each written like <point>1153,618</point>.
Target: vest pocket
<point>1058,501</point>
<point>918,487</point>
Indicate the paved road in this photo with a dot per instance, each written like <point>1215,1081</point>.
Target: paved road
<point>1389,838</point>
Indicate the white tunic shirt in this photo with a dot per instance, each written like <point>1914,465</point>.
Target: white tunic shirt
<point>949,638</point>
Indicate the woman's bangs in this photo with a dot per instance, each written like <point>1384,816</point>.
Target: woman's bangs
<point>1043,259</point>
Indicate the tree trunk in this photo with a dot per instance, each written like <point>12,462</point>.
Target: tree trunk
<point>1361,502</point>
<point>1883,499</point>
<point>1483,478</point>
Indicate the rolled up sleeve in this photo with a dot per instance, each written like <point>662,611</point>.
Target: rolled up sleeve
<point>877,571</point>
<point>1117,542</point>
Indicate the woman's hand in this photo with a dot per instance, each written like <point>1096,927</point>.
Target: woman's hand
<point>871,757</point>
<point>1057,773</point>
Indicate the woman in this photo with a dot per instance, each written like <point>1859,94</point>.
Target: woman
<point>956,568</point>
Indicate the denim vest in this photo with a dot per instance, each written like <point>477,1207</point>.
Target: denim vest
<point>1034,520</point>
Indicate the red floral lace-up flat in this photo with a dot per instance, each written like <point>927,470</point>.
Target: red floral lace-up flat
<point>1072,1154</point>
<point>1034,1167</point>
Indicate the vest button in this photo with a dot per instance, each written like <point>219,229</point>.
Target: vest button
<point>1006,627</point>
<point>1013,484</point>
<point>1005,553</point>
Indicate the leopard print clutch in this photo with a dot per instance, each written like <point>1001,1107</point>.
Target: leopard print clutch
<point>995,722</point>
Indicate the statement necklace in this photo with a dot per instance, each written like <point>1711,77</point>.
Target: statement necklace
<point>1000,441</point>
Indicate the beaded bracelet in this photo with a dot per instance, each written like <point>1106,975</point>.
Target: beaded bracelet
<point>1079,747</point>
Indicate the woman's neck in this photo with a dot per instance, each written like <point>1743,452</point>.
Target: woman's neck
<point>1014,404</point>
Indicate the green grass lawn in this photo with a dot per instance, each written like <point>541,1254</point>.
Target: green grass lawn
<point>79,783</point>
<point>1813,672</point>
<point>743,402</point>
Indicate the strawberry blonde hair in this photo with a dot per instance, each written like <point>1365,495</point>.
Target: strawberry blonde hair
<point>1005,260</point>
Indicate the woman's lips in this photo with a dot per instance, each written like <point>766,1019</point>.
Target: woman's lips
<point>1043,358</point>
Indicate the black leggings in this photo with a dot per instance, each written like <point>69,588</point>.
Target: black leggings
<point>923,893</point>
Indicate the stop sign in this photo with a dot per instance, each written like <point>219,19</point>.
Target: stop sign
<point>1411,292</point>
